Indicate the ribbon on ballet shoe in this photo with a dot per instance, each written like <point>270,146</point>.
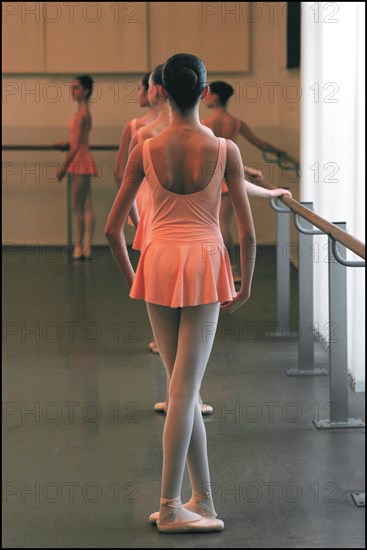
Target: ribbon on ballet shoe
<point>199,504</point>
<point>174,518</point>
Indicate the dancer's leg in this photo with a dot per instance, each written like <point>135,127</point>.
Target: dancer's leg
<point>79,191</point>
<point>193,350</point>
<point>89,219</point>
<point>165,324</point>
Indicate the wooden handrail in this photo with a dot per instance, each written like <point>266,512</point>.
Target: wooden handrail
<point>344,238</point>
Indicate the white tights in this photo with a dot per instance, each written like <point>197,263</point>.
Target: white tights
<point>184,346</point>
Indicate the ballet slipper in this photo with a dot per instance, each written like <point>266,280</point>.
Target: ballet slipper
<point>77,253</point>
<point>160,407</point>
<point>204,407</point>
<point>87,252</point>
<point>184,521</point>
<point>153,347</point>
<point>198,507</point>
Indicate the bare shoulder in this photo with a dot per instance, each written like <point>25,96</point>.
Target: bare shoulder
<point>233,151</point>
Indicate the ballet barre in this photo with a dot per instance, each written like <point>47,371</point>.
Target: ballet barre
<point>338,241</point>
<point>283,161</point>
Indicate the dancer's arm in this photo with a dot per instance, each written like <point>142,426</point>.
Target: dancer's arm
<point>133,142</point>
<point>114,229</point>
<point>259,143</point>
<point>257,191</point>
<point>235,180</point>
<point>122,154</point>
<point>77,131</point>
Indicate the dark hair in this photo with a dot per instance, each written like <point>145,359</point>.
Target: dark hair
<point>222,90</point>
<point>184,78</point>
<point>157,75</point>
<point>87,82</point>
<point>145,81</point>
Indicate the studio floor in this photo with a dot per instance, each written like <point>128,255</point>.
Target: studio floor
<point>82,444</point>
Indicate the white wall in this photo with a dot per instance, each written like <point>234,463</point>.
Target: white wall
<point>332,145</point>
<point>37,108</point>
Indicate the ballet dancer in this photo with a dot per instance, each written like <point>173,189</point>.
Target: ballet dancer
<point>164,116</point>
<point>131,127</point>
<point>184,275</point>
<point>143,199</point>
<point>225,125</point>
<point>80,163</point>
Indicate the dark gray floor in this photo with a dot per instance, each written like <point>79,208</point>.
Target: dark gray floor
<point>82,445</point>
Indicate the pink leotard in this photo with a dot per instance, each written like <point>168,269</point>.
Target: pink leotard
<point>83,163</point>
<point>184,261</point>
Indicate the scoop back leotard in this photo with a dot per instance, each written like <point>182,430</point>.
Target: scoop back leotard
<point>184,261</point>
<point>83,163</point>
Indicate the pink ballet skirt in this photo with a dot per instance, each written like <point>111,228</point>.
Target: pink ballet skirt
<point>184,261</point>
<point>83,163</point>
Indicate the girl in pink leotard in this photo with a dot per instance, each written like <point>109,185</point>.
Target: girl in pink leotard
<point>143,199</point>
<point>80,164</point>
<point>131,127</point>
<point>184,275</point>
<point>225,125</point>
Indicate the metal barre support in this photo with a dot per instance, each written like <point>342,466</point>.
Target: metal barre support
<point>275,207</point>
<point>340,259</point>
<point>69,222</point>
<point>303,230</point>
<point>306,356</point>
<point>282,269</point>
<point>338,346</point>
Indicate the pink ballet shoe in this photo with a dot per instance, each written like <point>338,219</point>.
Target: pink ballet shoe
<point>182,522</point>
<point>87,253</point>
<point>77,253</point>
<point>153,347</point>
<point>197,507</point>
<point>204,407</point>
<point>160,407</point>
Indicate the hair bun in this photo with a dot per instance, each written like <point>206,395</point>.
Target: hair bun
<point>187,78</point>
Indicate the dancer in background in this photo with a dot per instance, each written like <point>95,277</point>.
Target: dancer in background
<point>131,127</point>
<point>143,201</point>
<point>183,291</point>
<point>80,164</point>
<point>225,125</point>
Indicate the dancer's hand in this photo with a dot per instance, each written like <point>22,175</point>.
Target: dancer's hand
<point>280,192</point>
<point>238,301</point>
<point>60,173</point>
